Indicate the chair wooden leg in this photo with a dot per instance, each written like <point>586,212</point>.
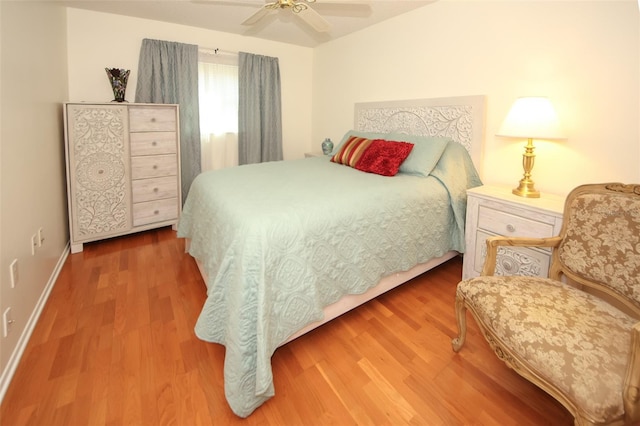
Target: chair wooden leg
<point>631,394</point>
<point>461,317</point>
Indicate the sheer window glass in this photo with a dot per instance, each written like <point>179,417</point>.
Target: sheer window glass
<point>218,94</point>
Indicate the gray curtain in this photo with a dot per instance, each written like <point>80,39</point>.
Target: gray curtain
<point>168,73</point>
<point>259,109</point>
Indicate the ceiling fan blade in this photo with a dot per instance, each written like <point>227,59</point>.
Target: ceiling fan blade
<point>258,15</point>
<point>314,19</point>
<point>315,2</point>
<point>229,2</point>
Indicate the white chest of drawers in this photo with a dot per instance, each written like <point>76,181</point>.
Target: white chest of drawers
<point>495,210</point>
<point>123,169</point>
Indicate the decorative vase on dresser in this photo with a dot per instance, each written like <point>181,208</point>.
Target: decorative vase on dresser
<point>123,169</point>
<point>493,210</point>
<point>118,79</point>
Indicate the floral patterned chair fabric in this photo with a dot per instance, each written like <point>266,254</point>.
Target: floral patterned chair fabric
<point>582,347</point>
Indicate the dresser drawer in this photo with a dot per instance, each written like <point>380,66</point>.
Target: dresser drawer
<point>152,143</point>
<point>154,166</point>
<point>152,119</point>
<point>155,211</point>
<point>154,188</point>
<point>509,224</point>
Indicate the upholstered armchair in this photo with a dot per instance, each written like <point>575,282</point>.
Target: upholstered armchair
<point>575,334</point>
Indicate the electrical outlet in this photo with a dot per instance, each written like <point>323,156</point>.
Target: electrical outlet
<point>40,236</point>
<point>7,322</point>
<point>34,244</point>
<point>13,271</point>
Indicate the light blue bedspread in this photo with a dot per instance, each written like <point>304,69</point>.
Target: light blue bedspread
<point>279,241</point>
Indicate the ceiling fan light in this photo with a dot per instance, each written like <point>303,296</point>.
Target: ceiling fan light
<point>299,7</point>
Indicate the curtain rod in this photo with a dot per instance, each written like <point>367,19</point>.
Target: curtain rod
<point>216,51</point>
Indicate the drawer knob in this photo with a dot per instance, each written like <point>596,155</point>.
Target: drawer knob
<point>154,143</point>
<point>155,166</point>
<point>155,189</point>
<point>156,211</point>
<point>153,120</point>
<point>511,228</point>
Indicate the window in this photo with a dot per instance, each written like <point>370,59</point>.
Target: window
<point>218,97</point>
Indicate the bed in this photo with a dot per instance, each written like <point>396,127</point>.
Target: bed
<point>286,246</point>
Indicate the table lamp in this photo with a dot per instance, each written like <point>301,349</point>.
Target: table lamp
<point>530,118</point>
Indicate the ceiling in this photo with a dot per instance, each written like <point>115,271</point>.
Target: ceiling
<point>345,16</point>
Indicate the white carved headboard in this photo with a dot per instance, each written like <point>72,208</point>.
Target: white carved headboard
<point>459,118</point>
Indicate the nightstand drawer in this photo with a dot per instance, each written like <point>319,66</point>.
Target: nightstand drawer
<point>512,260</point>
<point>508,224</point>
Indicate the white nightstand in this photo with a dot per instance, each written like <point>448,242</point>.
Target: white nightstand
<point>493,210</point>
<point>313,154</point>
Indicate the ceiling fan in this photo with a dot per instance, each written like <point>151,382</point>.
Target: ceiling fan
<point>345,10</point>
<point>300,7</point>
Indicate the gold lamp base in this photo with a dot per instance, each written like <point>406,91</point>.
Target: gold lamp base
<point>525,188</point>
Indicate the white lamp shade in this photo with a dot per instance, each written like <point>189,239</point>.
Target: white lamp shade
<point>532,117</point>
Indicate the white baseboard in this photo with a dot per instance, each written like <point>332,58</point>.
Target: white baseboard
<point>14,360</point>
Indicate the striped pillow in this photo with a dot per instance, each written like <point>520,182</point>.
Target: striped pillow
<point>351,151</point>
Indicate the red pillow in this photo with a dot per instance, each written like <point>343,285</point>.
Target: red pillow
<point>384,157</point>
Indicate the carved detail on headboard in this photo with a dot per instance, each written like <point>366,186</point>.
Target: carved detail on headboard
<point>459,118</point>
<point>451,121</point>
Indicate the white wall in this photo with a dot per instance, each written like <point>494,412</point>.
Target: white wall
<point>33,78</point>
<point>94,45</point>
<point>583,55</point>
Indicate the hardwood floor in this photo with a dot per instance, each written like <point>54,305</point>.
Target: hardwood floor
<point>115,346</point>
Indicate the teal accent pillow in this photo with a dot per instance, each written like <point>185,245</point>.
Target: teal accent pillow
<point>426,153</point>
<point>424,156</point>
